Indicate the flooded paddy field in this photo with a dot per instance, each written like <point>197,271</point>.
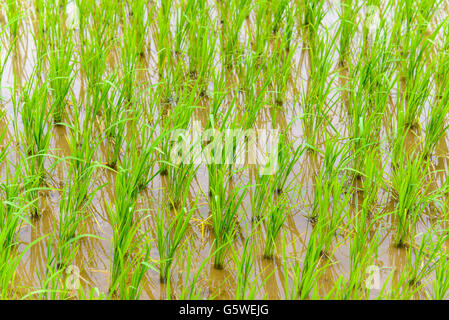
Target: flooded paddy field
<point>183,149</point>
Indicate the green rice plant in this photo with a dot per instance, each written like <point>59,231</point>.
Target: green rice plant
<point>262,197</point>
<point>362,254</point>
<point>60,60</point>
<point>233,15</point>
<point>247,288</point>
<point>288,156</point>
<point>347,27</point>
<point>441,282</point>
<point>372,181</point>
<point>134,272</point>
<point>34,116</point>
<point>436,125</point>
<point>409,182</point>
<point>313,15</point>
<point>301,282</point>
<point>98,27</point>
<point>370,84</point>
<point>225,200</point>
<point>315,106</point>
<point>331,207</point>
<point>73,211</point>
<point>13,14</point>
<point>169,235</point>
<point>126,240</point>
<point>201,44</point>
<point>163,37</point>
<point>180,177</point>
<point>190,289</point>
<point>274,222</point>
<point>282,63</point>
<point>422,261</point>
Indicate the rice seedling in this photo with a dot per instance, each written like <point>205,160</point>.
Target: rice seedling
<point>274,221</point>
<point>247,288</point>
<point>225,200</point>
<point>169,235</point>
<point>441,283</point>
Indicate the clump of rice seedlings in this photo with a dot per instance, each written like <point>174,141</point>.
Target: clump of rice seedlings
<point>332,203</point>
<point>300,282</point>
<point>422,260</point>
<point>347,27</point>
<point>180,177</point>
<point>313,12</point>
<point>335,161</point>
<point>315,106</point>
<point>13,14</point>
<point>73,211</point>
<point>225,200</point>
<point>413,53</point>
<point>34,115</point>
<point>441,282</point>
<point>12,214</point>
<point>247,288</point>
<point>274,221</point>
<point>362,254</point>
<point>115,116</point>
<point>263,193</point>
<point>201,43</point>
<point>190,288</point>
<point>288,156</point>
<point>97,28</point>
<point>436,124</point>
<point>130,250</point>
<point>372,181</point>
<point>60,61</point>
<point>369,87</point>
<point>281,61</point>
<point>169,234</point>
<point>409,182</point>
<point>233,15</point>
<point>163,38</point>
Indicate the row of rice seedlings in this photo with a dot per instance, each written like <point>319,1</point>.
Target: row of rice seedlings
<point>169,234</point>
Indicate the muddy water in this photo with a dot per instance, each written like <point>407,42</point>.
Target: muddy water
<point>94,255</point>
